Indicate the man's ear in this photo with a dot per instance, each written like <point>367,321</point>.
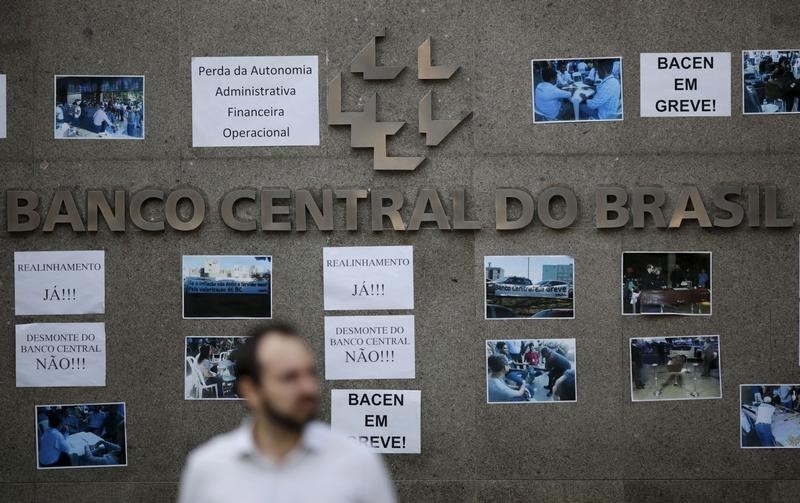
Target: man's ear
<point>248,391</point>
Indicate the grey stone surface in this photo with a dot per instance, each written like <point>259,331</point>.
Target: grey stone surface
<point>602,448</point>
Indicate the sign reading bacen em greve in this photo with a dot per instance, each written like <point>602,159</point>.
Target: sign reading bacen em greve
<point>284,210</point>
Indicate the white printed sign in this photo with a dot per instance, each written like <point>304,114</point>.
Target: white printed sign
<point>385,420</point>
<point>61,354</point>
<point>3,106</point>
<point>59,282</point>
<point>685,84</point>
<point>369,347</point>
<point>260,101</point>
<point>368,277</point>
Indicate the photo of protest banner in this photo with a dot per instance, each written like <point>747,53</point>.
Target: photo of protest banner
<point>266,101</point>
<point>368,278</point>
<point>99,107</point>
<point>577,89</point>
<point>387,421</point>
<point>666,283</point>
<point>675,368</point>
<point>227,286</point>
<point>81,435</point>
<point>60,354</point>
<point>685,84</point>
<point>536,286</point>
<point>59,282</point>
<point>531,371</point>
<point>3,106</point>
<point>771,81</point>
<point>369,347</point>
<point>210,373</point>
<point>769,416</point>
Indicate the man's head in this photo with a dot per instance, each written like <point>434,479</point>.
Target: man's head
<point>502,347</point>
<point>605,67</point>
<point>277,376</point>
<point>548,74</point>
<point>54,419</point>
<point>546,352</point>
<point>496,364</point>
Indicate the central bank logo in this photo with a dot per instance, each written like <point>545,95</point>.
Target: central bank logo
<point>366,131</point>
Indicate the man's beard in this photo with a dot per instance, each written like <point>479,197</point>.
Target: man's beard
<point>284,420</point>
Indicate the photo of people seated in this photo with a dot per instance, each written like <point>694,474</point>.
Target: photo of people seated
<point>771,81</point>
<point>528,371</point>
<point>81,435</point>
<point>581,89</point>
<point>535,286</point>
<point>770,415</point>
<point>99,107</point>
<point>666,283</point>
<point>210,373</point>
<point>675,368</point>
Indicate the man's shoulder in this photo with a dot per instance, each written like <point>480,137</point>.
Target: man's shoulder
<point>222,446</point>
<point>321,436</point>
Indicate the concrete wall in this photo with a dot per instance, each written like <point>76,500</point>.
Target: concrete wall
<point>604,448</point>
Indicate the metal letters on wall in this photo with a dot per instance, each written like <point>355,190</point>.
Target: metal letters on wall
<point>366,131</point>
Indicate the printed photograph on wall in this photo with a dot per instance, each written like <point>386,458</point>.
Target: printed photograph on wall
<point>2,106</point>
<point>675,368</point>
<point>577,89</point>
<point>227,286</point>
<point>530,370</point>
<point>769,416</point>
<point>210,372</point>
<point>536,286</point>
<point>664,283</point>
<point>771,81</point>
<point>104,107</point>
<point>81,435</point>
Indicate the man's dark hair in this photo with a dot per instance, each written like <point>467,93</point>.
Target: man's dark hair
<point>548,74</point>
<point>546,352</point>
<point>54,419</point>
<point>496,363</point>
<point>500,345</point>
<point>245,357</point>
<point>607,65</point>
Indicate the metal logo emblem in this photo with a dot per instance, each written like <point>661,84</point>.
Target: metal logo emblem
<point>366,131</point>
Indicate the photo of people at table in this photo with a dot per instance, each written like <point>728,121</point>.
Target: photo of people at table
<point>666,283</point>
<point>81,435</point>
<point>579,89</point>
<point>210,372</point>
<point>530,370</point>
<point>675,368</point>
<point>771,81</point>
<point>529,286</point>
<point>770,416</point>
<point>99,107</point>
<point>227,286</point>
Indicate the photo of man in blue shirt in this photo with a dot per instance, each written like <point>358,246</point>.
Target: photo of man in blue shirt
<point>577,90</point>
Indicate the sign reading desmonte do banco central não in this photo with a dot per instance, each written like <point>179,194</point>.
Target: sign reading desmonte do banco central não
<point>255,101</point>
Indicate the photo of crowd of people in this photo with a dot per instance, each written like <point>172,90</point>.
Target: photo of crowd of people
<point>675,368</point>
<point>771,81</point>
<point>770,416</point>
<point>210,373</point>
<point>227,286</point>
<point>99,107</point>
<point>581,89</point>
<point>536,286</point>
<point>519,370</point>
<point>666,283</point>
<point>81,435</point>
